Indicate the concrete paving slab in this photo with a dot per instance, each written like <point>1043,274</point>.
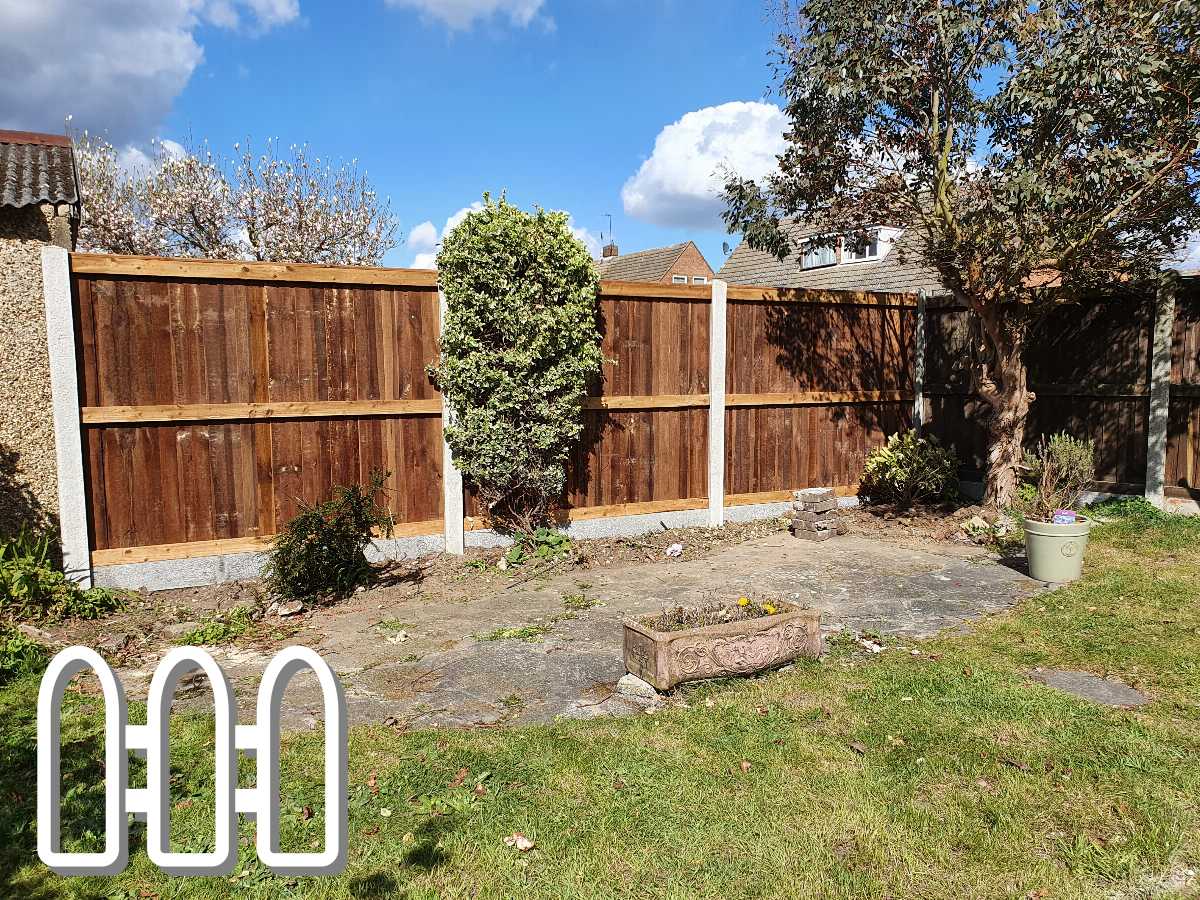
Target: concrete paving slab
<point>445,674</point>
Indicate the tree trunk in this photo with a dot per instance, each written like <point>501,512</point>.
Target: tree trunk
<point>1006,439</point>
<point>1002,381</point>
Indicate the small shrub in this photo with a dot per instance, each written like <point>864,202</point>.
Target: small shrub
<point>32,586</point>
<point>540,545</point>
<point>1060,470</point>
<point>320,554</point>
<point>910,469</point>
<point>19,655</point>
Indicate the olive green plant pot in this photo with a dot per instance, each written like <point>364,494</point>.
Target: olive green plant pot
<point>1055,552</point>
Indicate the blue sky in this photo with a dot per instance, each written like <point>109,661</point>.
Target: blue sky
<point>559,102</point>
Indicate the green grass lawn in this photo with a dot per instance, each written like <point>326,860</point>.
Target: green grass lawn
<point>943,774</point>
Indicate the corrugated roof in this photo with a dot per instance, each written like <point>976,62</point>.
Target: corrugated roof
<point>642,265</point>
<point>36,168</point>
<point>899,271</point>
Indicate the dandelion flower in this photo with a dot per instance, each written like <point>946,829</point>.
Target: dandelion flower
<point>743,601</point>
<point>769,608</point>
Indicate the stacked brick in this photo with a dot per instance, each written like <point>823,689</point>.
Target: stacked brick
<point>815,515</point>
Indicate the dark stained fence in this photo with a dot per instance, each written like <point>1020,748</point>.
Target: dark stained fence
<point>1089,367</point>
<point>218,396</point>
<point>1183,428</point>
<point>815,380</point>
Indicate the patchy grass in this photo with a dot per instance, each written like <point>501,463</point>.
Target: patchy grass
<point>579,602</point>
<point>517,633</point>
<point>942,774</point>
<point>221,628</point>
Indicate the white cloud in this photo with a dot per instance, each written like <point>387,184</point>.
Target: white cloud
<point>423,237</point>
<point>115,66</point>
<point>679,185</point>
<point>589,240</point>
<point>461,14</point>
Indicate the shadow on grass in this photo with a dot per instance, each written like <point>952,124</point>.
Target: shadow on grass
<point>370,887</point>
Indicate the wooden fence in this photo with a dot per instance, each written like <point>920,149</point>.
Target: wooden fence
<point>1090,367</point>
<point>215,397</point>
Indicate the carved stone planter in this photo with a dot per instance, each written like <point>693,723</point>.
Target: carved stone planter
<point>667,658</point>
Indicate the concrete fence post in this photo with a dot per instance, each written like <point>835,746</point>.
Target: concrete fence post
<point>716,405</point>
<point>68,434</point>
<point>919,344</point>
<point>1160,388</point>
<point>452,480</point>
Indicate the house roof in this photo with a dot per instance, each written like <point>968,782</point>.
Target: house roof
<point>642,265</point>
<point>36,168</point>
<point>898,271</point>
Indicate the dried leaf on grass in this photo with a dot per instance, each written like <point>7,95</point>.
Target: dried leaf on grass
<point>519,842</point>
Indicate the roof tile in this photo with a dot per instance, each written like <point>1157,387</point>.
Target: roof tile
<point>36,168</point>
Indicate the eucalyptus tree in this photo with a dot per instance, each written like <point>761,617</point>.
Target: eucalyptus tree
<point>1042,151</point>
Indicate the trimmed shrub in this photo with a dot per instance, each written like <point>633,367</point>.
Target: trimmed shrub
<point>910,469</point>
<point>519,349</point>
<point>320,553</point>
<point>32,586</point>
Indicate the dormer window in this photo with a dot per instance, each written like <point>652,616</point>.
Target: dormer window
<point>818,255</point>
<point>855,252</point>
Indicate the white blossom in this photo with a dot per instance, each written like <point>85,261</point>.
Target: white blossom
<point>259,206</point>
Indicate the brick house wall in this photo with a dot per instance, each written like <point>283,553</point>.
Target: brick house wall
<point>690,264</point>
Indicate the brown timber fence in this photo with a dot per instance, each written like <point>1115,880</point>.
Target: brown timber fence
<point>215,397</point>
<point>1091,370</point>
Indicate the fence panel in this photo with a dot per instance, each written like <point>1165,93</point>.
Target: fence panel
<point>214,401</point>
<point>815,381</point>
<point>1089,367</point>
<point>1183,428</point>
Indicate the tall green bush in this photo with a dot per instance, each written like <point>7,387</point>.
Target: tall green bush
<point>519,348</point>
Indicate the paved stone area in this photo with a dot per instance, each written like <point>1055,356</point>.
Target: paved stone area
<point>1085,685</point>
<point>415,662</point>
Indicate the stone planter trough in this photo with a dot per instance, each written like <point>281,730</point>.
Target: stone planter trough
<point>667,658</point>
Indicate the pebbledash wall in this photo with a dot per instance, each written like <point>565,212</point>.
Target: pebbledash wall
<point>28,479</point>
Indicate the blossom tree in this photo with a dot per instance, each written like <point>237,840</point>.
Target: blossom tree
<point>265,206</point>
<point>1041,151</point>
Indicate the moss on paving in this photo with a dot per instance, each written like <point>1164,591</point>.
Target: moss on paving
<point>945,773</point>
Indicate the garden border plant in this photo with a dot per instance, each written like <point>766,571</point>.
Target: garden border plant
<point>520,347</point>
<point>320,553</point>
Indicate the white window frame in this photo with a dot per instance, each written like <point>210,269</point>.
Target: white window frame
<point>875,238</point>
<point>699,279</point>
<point>679,279</point>
<point>806,249</point>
